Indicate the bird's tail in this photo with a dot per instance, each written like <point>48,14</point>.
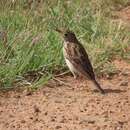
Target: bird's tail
<point>98,86</point>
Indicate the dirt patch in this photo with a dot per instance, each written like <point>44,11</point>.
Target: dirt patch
<point>124,14</point>
<point>74,107</point>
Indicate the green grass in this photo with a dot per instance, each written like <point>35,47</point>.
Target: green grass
<point>36,46</point>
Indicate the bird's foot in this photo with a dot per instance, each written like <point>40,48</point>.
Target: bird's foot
<point>75,76</point>
<point>78,85</point>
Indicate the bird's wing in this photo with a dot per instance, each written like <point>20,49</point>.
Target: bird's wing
<point>79,58</point>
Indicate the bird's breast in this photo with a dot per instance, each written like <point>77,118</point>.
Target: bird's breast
<point>69,64</point>
<point>65,50</point>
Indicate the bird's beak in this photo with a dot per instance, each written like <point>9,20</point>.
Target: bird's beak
<point>59,31</point>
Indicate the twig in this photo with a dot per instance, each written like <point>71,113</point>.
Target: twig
<point>61,74</point>
<point>60,81</point>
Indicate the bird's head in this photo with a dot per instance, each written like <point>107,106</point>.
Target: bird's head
<point>68,35</point>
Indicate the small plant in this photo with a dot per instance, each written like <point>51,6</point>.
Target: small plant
<point>33,44</point>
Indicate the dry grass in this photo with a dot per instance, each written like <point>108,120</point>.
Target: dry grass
<point>33,45</point>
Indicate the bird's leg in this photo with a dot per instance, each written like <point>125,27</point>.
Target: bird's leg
<point>77,85</point>
<point>75,75</point>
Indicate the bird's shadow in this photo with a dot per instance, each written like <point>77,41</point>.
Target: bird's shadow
<point>113,91</point>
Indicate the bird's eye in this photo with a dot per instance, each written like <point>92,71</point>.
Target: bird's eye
<point>66,34</point>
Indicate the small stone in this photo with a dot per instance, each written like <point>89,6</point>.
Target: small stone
<point>36,120</point>
<point>28,93</point>
<point>36,109</point>
<point>23,121</point>
<point>62,121</point>
<point>124,83</point>
<point>31,118</point>
<point>118,128</point>
<point>58,127</point>
<point>53,120</point>
<point>58,101</point>
<point>126,72</point>
<point>46,113</point>
<point>122,122</point>
<point>91,122</point>
<point>87,121</point>
<point>17,96</point>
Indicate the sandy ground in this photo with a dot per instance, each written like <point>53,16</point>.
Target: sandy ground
<point>62,107</point>
<point>74,107</point>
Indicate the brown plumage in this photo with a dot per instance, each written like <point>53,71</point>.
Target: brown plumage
<point>77,59</point>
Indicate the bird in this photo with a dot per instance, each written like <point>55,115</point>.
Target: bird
<point>77,58</point>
